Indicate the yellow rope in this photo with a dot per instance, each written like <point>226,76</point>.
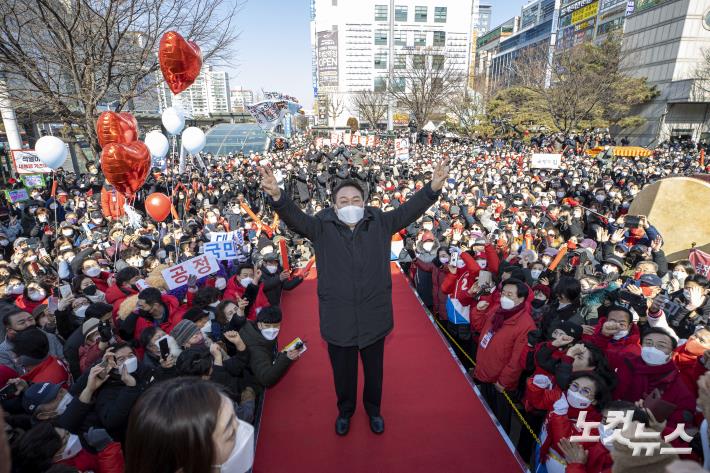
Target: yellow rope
<point>510,401</point>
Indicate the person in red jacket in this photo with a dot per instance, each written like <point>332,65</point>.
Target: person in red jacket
<point>617,334</point>
<point>123,287</point>
<point>687,358</point>
<point>91,269</point>
<point>153,309</point>
<point>654,373</point>
<point>503,338</point>
<point>112,203</point>
<point>34,296</point>
<point>246,285</point>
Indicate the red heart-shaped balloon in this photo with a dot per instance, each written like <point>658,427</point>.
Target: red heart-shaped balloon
<point>180,61</point>
<point>126,166</point>
<point>112,127</point>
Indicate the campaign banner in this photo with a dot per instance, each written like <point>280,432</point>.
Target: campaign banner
<point>222,250</point>
<point>268,114</point>
<point>222,236</point>
<point>27,162</point>
<point>401,149</point>
<point>546,161</point>
<point>327,43</point>
<point>337,137</point>
<point>16,195</point>
<point>700,261</point>
<point>32,180</point>
<point>199,266</point>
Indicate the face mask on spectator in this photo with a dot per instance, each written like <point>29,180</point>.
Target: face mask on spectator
<point>535,273</point>
<point>605,437</point>
<point>72,448</point>
<point>207,328</point>
<point>680,276</point>
<point>272,268</point>
<point>81,311</point>
<point>270,333</point>
<point>36,294</point>
<point>241,458</point>
<point>42,218</point>
<point>620,334</point>
<point>428,246</point>
<point>92,272</point>
<point>245,282</point>
<point>444,259</point>
<point>506,303</point>
<point>62,406</point>
<point>131,365</point>
<point>577,400</point>
<point>653,356</point>
<point>15,289</point>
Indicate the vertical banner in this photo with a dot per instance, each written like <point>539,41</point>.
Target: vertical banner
<point>327,59</point>
<point>401,149</point>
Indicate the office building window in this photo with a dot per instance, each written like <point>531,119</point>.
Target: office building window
<point>439,38</point>
<point>419,38</point>
<point>439,14</point>
<point>398,84</point>
<point>437,62</point>
<point>418,61</point>
<point>380,84</point>
<point>400,38</point>
<point>381,60</point>
<point>400,61</point>
<point>420,14</point>
<point>381,12</point>
<point>400,13</point>
<point>381,37</point>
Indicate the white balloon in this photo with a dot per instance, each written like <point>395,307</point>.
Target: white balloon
<point>193,140</point>
<point>51,151</point>
<point>173,120</point>
<point>157,144</point>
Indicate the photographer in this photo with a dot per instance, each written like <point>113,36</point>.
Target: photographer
<point>99,311</point>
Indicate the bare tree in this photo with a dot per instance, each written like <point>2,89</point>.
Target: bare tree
<point>335,107</point>
<point>468,108</point>
<point>65,57</point>
<point>426,84</point>
<point>701,76</point>
<point>371,105</point>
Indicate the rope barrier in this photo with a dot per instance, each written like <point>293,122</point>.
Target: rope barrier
<point>505,394</point>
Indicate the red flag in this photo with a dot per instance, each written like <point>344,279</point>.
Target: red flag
<point>284,255</point>
<point>700,261</point>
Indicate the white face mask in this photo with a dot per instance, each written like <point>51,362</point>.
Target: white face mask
<point>350,214</point>
<point>620,334</point>
<point>242,457</point>
<point>81,311</point>
<point>686,294</point>
<point>220,283</point>
<point>506,303</point>
<point>428,246</point>
<point>608,269</point>
<point>206,329</point>
<point>653,356</point>
<point>680,275</point>
<point>92,272</point>
<point>16,289</point>
<point>131,365</point>
<point>271,268</point>
<point>98,297</point>
<point>36,295</point>
<point>577,401</point>
<point>245,282</point>
<point>72,448</point>
<point>535,273</point>
<point>270,333</point>
<point>62,406</point>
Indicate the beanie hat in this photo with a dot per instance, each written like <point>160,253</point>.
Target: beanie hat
<point>184,331</point>
<point>91,325</point>
<point>97,310</point>
<point>542,288</point>
<point>616,261</point>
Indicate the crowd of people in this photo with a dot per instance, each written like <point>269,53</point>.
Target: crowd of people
<point>560,303</point>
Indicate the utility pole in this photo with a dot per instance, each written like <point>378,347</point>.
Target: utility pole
<point>8,115</point>
<point>390,64</point>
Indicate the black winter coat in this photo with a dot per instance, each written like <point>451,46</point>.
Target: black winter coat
<point>354,280</point>
<point>266,363</point>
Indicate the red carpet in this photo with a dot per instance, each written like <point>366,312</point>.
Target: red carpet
<point>434,420</point>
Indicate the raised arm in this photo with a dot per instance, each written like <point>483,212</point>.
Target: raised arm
<point>295,218</point>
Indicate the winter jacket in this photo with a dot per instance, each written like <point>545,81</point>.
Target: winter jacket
<point>630,344</point>
<point>266,363</point>
<point>354,273</point>
<point>499,354</point>
<point>689,366</point>
<point>552,316</point>
<point>253,293</point>
<point>115,295</point>
<point>132,327</point>
<point>273,286</point>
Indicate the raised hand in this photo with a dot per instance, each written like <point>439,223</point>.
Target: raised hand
<point>269,183</point>
<point>441,173</point>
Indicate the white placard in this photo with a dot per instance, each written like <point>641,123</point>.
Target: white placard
<point>27,162</point>
<point>199,266</point>
<point>222,250</point>
<point>401,149</point>
<point>545,161</point>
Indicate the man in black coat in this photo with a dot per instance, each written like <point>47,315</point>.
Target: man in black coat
<point>352,247</point>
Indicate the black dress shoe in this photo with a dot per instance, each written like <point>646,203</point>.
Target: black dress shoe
<point>377,424</point>
<point>342,426</point>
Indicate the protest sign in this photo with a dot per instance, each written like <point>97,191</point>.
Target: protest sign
<point>700,261</point>
<point>545,161</point>
<point>16,195</point>
<point>32,180</point>
<point>199,266</point>
<point>27,162</point>
<point>222,250</point>
<point>222,236</point>
<point>401,149</point>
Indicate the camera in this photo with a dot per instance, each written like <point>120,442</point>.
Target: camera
<point>105,331</point>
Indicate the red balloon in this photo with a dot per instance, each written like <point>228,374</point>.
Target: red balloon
<point>112,127</point>
<point>126,166</point>
<point>180,61</point>
<point>158,206</point>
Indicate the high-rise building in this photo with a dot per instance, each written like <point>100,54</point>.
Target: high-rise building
<point>483,22</point>
<point>208,95</point>
<point>241,98</point>
<point>487,47</point>
<point>664,41</point>
<point>351,42</point>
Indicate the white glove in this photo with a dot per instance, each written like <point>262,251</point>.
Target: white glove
<point>542,381</point>
<point>560,406</point>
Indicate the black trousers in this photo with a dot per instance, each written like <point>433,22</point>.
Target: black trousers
<point>344,362</point>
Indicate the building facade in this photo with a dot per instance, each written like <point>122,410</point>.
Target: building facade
<point>664,41</point>
<point>354,43</point>
<point>241,98</point>
<point>208,95</point>
<point>486,48</point>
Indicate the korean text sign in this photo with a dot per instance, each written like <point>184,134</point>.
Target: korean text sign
<point>199,266</point>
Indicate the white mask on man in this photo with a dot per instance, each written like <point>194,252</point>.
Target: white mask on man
<point>350,214</point>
